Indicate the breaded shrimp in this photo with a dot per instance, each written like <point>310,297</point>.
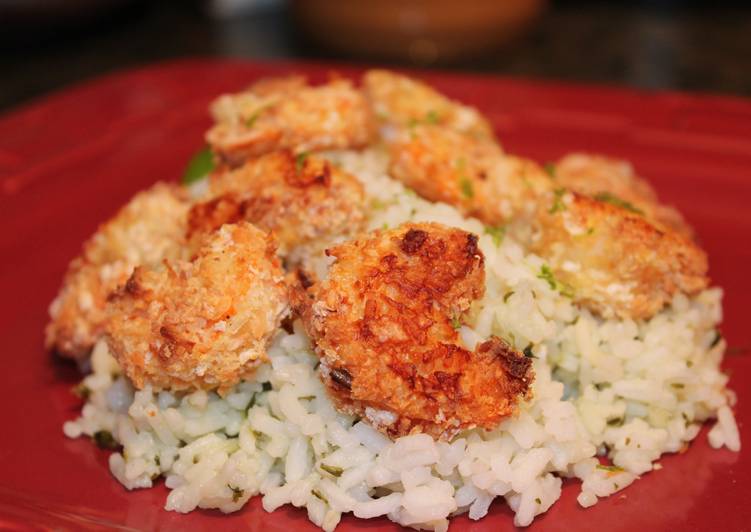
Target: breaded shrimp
<point>202,324</point>
<point>614,180</point>
<point>287,113</point>
<point>302,199</point>
<point>469,173</point>
<point>401,102</point>
<point>151,227</point>
<point>385,323</point>
<point>614,260</point>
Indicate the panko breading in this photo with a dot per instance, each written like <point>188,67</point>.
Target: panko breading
<point>615,181</point>
<point>402,102</point>
<point>613,260</point>
<point>286,113</point>
<point>150,228</point>
<point>385,324</point>
<point>470,173</point>
<point>203,324</point>
<point>301,199</point>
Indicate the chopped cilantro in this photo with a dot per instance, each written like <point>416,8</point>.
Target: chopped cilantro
<point>537,500</point>
<point>615,422</point>
<point>237,493</point>
<point>558,204</point>
<point>497,233</point>
<point>546,274</point>
<point>332,470</point>
<point>550,169</point>
<point>377,204</point>
<point>466,187</point>
<point>507,295</point>
<point>300,160</point>
<point>319,495</point>
<point>199,166</point>
<point>431,117</point>
<point>456,322</point>
<point>607,197</point>
<point>528,352</point>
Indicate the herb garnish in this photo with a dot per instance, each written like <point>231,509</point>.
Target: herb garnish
<point>550,169</point>
<point>566,290</point>
<point>300,160</point>
<point>466,187</point>
<point>558,204</point>
<point>497,233</point>
<point>607,197</point>
<point>199,166</point>
<point>237,493</point>
<point>105,440</point>
<point>332,470</point>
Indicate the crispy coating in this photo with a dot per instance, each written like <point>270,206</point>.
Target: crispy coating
<point>614,260</point>
<point>150,228</point>
<point>303,199</point>
<point>204,323</point>
<point>286,113</point>
<point>470,173</point>
<point>401,102</point>
<point>615,180</point>
<point>385,323</point>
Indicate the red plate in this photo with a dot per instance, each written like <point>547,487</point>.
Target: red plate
<point>67,163</point>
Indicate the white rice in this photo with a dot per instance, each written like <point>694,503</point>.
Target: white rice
<point>629,391</point>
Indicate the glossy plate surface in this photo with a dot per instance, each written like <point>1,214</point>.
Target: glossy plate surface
<point>69,161</point>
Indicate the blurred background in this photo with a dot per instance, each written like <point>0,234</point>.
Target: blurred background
<point>661,44</point>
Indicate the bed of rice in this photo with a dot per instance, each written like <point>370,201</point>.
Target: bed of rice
<point>628,391</point>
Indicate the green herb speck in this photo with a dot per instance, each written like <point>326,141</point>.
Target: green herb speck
<point>507,295</point>
<point>537,500</point>
<point>550,169</point>
<point>546,274</point>
<point>332,470</point>
<point>82,391</point>
<point>431,117</point>
<point>199,166</point>
<point>558,204</point>
<point>237,493</point>
<point>497,233</point>
<point>607,197</point>
<point>466,187</point>
<point>319,495</point>
<point>456,322</point>
<point>610,468</point>
<point>528,352</point>
<point>300,160</point>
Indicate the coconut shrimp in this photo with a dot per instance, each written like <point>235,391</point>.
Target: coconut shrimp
<point>614,181</point>
<point>472,174</point>
<point>385,324</point>
<point>613,260</point>
<point>287,113</point>
<point>401,102</point>
<point>303,199</point>
<point>203,323</point>
<point>150,228</point>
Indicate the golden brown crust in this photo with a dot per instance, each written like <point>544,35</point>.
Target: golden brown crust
<point>401,102</point>
<point>204,323</point>
<point>470,173</point>
<point>302,199</point>
<point>286,113</point>
<point>605,177</point>
<point>384,325</point>
<point>149,228</point>
<point>615,260</point>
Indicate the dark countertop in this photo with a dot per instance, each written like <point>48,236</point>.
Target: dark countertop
<point>671,46</point>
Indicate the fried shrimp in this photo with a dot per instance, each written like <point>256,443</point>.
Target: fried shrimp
<point>615,181</point>
<point>302,199</point>
<point>202,324</point>
<point>614,260</point>
<point>150,228</point>
<point>470,173</point>
<point>286,113</point>
<point>402,102</point>
<point>385,323</point>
